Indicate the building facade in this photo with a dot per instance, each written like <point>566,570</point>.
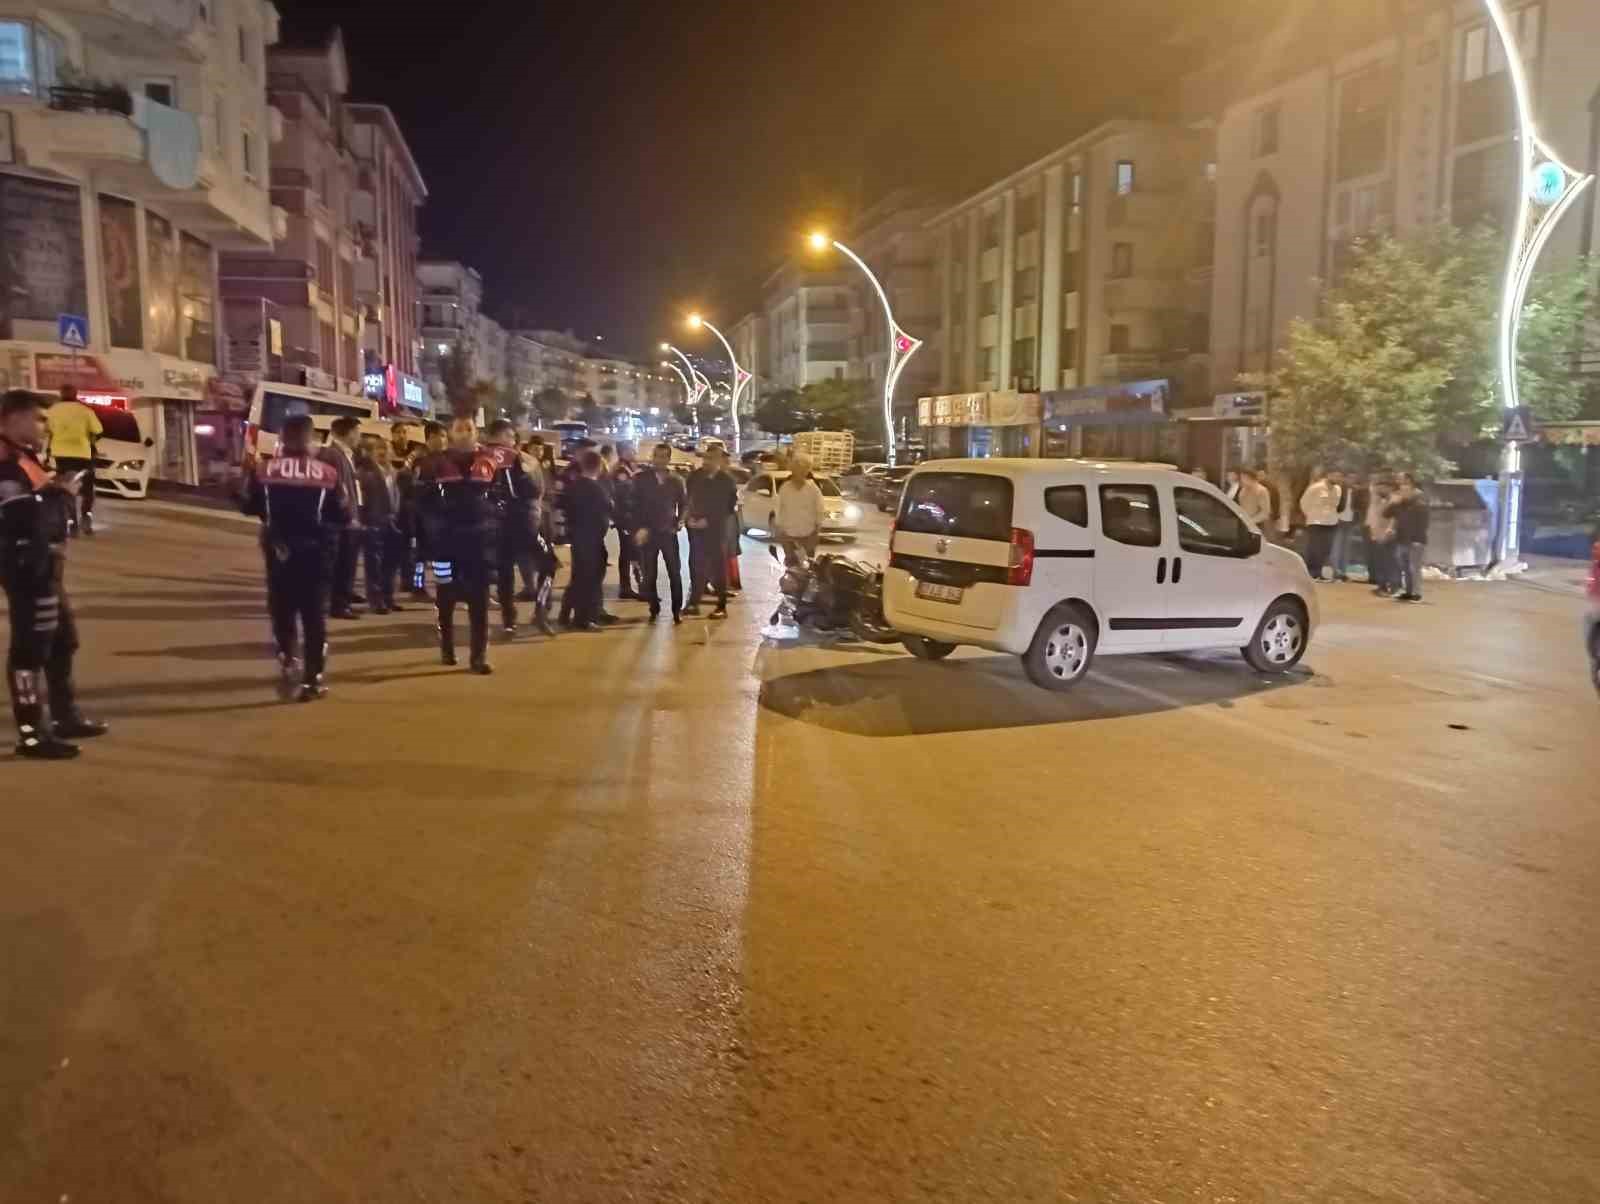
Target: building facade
<point>810,315</point>
<point>449,301</point>
<point>493,352</point>
<point>133,148</point>
<point>537,360</point>
<point>389,190</point>
<point>1357,119</point>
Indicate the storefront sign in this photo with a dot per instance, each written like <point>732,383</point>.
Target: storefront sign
<point>119,265</point>
<point>979,409</point>
<point>188,383</point>
<point>41,253</point>
<point>414,394</point>
<point>1240,405</point>
<point>1137,401</point>
<point>375,386</point>
<point>86,373</point>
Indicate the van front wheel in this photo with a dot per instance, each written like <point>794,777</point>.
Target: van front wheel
<point>1280,640</point>
<point>1062,649</point>
<point>926,650</point>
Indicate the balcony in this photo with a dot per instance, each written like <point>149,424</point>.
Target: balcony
<point>1139,210</point>
<point>141,28</point>
<point>366,280</point>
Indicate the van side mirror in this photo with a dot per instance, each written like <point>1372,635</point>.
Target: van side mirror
<point>1252,544</point>
<point>149,441</point>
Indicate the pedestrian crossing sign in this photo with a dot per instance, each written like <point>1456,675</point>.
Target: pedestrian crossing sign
<point>1518,427</point>
<point>72,330</point>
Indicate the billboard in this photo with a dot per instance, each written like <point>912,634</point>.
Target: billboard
<point>41,254</point>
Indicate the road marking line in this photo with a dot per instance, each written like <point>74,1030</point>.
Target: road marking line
<point>1255,731</point>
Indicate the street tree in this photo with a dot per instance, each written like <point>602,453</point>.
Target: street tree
<point>594,415</point>
<point>550,404</point>
<point>780,414</point>
<point>839,405</point>
<point>1398,368</point>
<point>458,380</point>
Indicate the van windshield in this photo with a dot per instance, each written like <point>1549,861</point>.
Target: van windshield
<point>967,505</point>
<point>278,408</point>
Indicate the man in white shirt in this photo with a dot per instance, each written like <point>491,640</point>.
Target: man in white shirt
<point>1254,499</point>
<point>1320,504</point>
<point>800,511</point>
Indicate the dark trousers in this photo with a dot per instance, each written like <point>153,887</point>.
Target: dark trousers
<point>1319,547</point>
<point>629,562</point>
<point>588,580</point>
<point>663,548</point>
<point>44,638</point>
<point>708,565</point>
<point>1380,563</point>
<point>71,464</point>
<point>511,554</point>
<point>297,600</point>
<point>1408,567</point>
<point>465,580</point>
<point>379,549</point>
<point>405,558</point>
<point>346,553</point>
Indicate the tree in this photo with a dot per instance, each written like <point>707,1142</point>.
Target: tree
<point>594,415</point>
<point>511,404</point>
<point>779,414</point>
<point>456,376</point>
<point>550,404</point>
<point>1399,366</point>
<point>841,405</point>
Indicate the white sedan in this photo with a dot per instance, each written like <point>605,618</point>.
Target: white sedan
<point>758,506</point>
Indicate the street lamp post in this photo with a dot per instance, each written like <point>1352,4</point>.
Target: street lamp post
<point>901,345</point>
<point>741,378</point>
<point>1547,189</point>
<point>699,388</point>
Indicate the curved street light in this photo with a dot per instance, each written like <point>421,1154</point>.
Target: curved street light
<point>1547,189</point>
<point>699,387</point>
<point>901,345</point>
<point>741,378</point>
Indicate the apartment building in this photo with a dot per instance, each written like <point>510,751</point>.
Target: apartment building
<point>298,298</point>
<point>537,360</point>
<point>133,148</point>
<point>625,384</point>
<point>1085,272</point>
<point>1345,120</point>
<point>389,190</point>
<point>449,301</point>
<point>810,312</point>
<point>493,348</point>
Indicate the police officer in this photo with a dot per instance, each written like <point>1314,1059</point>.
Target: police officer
<point>435,438</point>
<point>516,500</point>
<point>458,518</point>
<point>35,512</point>
<point>299,498</point>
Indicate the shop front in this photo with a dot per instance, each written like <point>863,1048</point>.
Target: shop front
<point>980,425</point>
<point>1125,421</point>
<point>400,397</point>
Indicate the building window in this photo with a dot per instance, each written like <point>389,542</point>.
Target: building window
<point>1069,349</point>
<point>163,91</point>
<point>1025,363</point>
<point>1026,286</point>
<point>991,230</point>
<point>1266,227</point>
<point>989,298</point>
<point>1027,213</point>
<point>1075,192</point>
<point>1211,172</point>
<point>1267,122</point>
<point>1071,271</point>
<point>986,363</point>
<point>1125,177</point>
<point>1482,54</point>
<point>1363,140</point>
<point>329,350</point>
<point>247,153</point>
<point>1121,340</point>
<point>31,55</point>
<point>325,267</point>
<point>1121,260</point>
<point>244,45</point>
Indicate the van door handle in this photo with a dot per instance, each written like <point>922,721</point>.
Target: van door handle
<point>1177,569</point>
<point>1161,571</point>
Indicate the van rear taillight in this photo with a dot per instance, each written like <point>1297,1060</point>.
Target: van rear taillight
<point>1020,569</point>
<point>1594,573</point>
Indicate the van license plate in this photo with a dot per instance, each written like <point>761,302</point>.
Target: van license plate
<point>939,593</point>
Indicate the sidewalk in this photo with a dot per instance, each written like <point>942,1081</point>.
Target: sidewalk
<point>1555,574</point>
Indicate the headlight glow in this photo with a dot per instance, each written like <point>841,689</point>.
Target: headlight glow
<point>853,513</point>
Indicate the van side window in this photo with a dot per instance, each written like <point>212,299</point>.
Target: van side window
<point>1207,527</point>
<point>1068,502</point>
<point>1131,514</point>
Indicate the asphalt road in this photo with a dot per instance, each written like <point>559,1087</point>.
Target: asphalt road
<point>667,915</point>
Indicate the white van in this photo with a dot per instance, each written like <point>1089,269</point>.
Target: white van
<point>1057,560</point>
<point>273,403</point>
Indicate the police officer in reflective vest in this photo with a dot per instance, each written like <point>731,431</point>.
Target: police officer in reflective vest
<point>35,513</point>
<point>297,496</point>
<point>459,520</point>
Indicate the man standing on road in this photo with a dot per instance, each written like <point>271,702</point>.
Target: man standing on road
<point>343,438</point>
<point>301,506</point>
<point>622,482</point>
<point>1344,533</point>
<point>516,498</point>
<point>659,507</point>
<point>1409,510</point>
<point>35,510</point>
<point>1255,499</point>
<point>1320,504</point>
<point>73,429</point>
<point>380,523</point>
<point>713,498</point>
<point>588,520</point>
<point>453,495</point>
<point>800,512</point>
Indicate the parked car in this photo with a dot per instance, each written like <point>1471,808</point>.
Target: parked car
<point>860,480</point>
<point>886,489</point>
<point>123,455</point>
<point>1058,561</point>
<point>758,506</point>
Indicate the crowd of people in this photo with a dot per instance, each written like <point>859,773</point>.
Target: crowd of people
<point>1382,519</point>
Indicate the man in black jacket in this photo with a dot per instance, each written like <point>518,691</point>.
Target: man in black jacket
<point>1409,509</point>
<point>458,518</point>
<point>300,502</point>
<point>623,477</point>
<point>36,510</point>
<point>340,452</point>
<point>516,499</point>
<point>713,499</point>
<point>660,503</point>
<point>588,520</point>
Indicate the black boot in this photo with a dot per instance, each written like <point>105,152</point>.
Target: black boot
<point>313,689</point>
<point>447,645</point>
<point>34,742</point>
<point>70,723</point>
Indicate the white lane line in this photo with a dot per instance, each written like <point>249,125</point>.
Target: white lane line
<point>1256,732</point>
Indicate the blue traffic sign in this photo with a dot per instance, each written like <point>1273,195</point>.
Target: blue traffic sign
<point>72,330</point>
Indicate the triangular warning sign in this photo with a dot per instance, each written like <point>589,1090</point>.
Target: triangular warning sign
<point>72,336</point>
<point>1517,427</point>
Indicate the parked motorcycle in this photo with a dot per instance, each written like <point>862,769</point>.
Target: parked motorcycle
<point>830,593</point>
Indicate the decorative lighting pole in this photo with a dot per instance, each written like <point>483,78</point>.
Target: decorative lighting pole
<point>1547,188</point>
<point>901,345</point>
<point>741,378</point>
<point>700,386</point>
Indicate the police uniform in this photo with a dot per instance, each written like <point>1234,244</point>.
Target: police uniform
<point>34,521</point>
<point>515,495</point>
<point>302,509</point>
<point>462,536</point>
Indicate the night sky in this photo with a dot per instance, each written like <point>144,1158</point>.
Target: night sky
<point>609,165</point>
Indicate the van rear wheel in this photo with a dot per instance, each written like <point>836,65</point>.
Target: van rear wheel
<point>1062,649</point>
<point>925,649</point>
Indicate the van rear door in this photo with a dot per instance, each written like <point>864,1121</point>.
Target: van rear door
<point>953,536</point>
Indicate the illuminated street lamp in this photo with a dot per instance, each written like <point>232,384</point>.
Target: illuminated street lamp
<point>901,345</point>
<point>699,387</point>
<point>741,378</point>
<point>1547,188</point>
